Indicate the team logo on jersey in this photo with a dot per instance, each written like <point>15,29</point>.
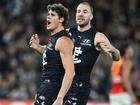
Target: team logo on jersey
<point>86,42</point>
<point>77,51</point>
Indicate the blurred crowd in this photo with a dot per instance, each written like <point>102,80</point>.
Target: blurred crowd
<point>20,66</point>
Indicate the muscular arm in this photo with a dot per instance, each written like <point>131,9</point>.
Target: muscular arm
<point>65,47</point>
<point>102,43</point>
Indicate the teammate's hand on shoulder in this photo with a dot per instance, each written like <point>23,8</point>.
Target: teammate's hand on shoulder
<point>34,41</point>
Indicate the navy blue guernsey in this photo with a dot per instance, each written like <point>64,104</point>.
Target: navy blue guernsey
<point>85,53</point>
<point>52,64</point>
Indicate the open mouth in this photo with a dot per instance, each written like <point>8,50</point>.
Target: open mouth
<point>80,19</point>
<point>48,22</point>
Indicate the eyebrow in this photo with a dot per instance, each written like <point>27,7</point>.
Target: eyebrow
<point>51,13</point>
<point>85,10</point>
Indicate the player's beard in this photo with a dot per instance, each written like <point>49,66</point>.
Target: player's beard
<point>84,24</point>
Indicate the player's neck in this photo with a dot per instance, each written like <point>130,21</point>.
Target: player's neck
<point>58,29</point>
<point>84,28</point>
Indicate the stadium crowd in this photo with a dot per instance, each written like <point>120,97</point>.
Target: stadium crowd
<point>19,65</point>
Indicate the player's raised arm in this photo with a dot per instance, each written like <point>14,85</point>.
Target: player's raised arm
<point>35,44</point>
<point>102,43</point>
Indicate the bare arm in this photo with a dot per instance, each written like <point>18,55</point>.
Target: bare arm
<point>41,49</point>
<point>34,43</point>
<point>65,47</point>
<point>103,44</point>
<point>127,66</point>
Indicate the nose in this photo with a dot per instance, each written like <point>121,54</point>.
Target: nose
<point>80,14</point>
<point>48,16</point>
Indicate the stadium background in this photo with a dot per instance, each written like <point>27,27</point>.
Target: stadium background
<point>20,66</point>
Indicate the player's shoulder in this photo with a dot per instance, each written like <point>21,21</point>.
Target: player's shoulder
<point>65,37</point>
<point>100,34</point>
<point>64,41</point>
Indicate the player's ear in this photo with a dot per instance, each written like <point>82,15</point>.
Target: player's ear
<point>91,17</point>
<point>61,19</point>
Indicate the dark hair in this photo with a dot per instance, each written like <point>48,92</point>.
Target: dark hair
<point>61,10</point>
<point>89,4</point>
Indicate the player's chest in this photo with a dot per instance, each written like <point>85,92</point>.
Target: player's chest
<point>85,42</point>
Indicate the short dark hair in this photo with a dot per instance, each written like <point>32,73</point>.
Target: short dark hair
<point>89,4</point>
<point>61,10</point>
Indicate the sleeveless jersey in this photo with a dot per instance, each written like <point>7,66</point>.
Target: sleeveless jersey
<point>85,53</point>
<point>52,64</point>
<point>117,80</point>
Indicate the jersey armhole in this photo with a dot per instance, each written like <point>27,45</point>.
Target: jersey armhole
<point>96,46</point>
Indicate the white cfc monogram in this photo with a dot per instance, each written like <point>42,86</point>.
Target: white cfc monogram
<point>77,51</point>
